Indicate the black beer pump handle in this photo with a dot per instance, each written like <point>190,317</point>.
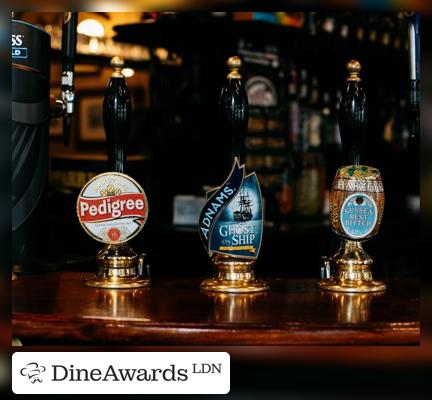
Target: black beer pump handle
<point>414,62</point>
<point>353,114</point>
<point>117,112</point>
<point>69,41</point>
<point>234,108</point>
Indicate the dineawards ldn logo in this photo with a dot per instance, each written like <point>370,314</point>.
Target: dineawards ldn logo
<point>121,372</point>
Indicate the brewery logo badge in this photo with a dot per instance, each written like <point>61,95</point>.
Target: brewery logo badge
<point>112,207</point>
<point>358,215</point>
<point>231,221</point>
<point>261,92</point>
<point>358,178</point>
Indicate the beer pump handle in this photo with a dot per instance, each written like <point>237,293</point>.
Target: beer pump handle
<point>353,114</point>
<point>414,62</point>
<point>69,41</point>
<point>117,110</point>
<point>234,108</point>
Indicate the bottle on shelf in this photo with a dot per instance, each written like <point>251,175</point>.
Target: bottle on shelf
<point>303,103</point>
<point>327,25</point>
<point>327,122</point>
<point>396,130</point>
<point>386,31</point>
<point>337,134</point>
<point>293,108</point>
<point>358,29</point>
<point>399,30</point>
<point>310,25</point>
<point>309,188</point>
<point>343,26</point>
<point>372,28</point>
<point>331,142</point>
<point>285,194</point>
<point>314,118</point>
<point>310,180</point>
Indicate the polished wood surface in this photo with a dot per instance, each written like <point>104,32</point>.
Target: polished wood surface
<point>58,308</point>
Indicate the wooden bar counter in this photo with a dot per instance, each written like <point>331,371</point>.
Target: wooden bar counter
<point>57,308</point>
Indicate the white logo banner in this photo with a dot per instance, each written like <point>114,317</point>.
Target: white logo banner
<point>120,372</point>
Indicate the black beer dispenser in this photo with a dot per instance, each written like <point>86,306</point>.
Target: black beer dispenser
<point>32,108</point>
<point>30,120</point>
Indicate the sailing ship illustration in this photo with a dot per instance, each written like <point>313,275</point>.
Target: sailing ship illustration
<point>244,213</point>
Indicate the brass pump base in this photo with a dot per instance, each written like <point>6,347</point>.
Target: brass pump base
<point>234,275</point>
<point>119,267</point>
<point>350,270</point>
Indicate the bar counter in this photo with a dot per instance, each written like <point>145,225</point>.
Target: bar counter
<point>56,308</point>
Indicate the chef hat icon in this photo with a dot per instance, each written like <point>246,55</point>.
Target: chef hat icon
<point>33,371</point>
